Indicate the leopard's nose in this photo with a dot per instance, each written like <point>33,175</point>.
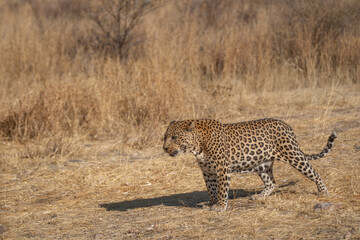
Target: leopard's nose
<point>173,154</point>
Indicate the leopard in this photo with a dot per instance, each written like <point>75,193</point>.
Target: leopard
<point>221,149</point>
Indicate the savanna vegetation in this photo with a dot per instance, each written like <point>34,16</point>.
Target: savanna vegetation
<point>87,89</point>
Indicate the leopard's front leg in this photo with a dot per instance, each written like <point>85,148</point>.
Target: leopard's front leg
<point>222,191</point>
<point>211,185</point>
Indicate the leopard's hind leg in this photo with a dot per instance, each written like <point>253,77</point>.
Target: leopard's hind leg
<point>265,171</point>
<point>296,158</point>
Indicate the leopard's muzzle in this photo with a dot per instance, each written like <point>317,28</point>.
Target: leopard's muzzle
<point>171,153</point>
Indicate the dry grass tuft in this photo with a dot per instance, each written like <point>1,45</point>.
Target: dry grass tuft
<point>56,108</point>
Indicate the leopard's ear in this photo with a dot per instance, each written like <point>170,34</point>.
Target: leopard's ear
<point>191,126</point>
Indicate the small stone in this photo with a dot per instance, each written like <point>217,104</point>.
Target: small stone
<point>75,160</point>
<point>150,228</point>
<point>133,230</point>
<point>98,236</point>
<point>327,206</point>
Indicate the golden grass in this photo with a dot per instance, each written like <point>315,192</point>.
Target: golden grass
<point>150,195</point>
<point>188,59</point>
<point>81,129</point>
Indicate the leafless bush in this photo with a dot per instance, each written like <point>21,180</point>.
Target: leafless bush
<point>115,22</point>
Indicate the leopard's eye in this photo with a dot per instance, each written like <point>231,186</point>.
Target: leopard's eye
<point>173,137</point>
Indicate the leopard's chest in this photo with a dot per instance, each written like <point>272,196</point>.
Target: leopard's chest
<point>206,163</point>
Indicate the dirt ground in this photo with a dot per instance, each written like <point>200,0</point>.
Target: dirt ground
<point>102,190</point>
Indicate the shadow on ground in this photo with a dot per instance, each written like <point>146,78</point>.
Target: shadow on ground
<point>191,199</point>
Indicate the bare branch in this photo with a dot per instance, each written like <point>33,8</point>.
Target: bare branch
<point>117,21</point>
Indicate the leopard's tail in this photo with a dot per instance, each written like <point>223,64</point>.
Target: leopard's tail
<point>325,151</point>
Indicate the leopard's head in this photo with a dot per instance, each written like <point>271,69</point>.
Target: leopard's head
<point>179,137</point>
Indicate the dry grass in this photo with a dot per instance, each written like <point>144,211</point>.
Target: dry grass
<point>58,77</point>
<point>81,128</point>
<point>152,196</point>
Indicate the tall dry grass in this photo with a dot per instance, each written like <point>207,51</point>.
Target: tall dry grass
<point>184,59</point>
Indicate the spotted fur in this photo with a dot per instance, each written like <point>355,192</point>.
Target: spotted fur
<point>241,147</point>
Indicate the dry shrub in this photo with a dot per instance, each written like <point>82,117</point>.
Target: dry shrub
<point>215,36</point>
<point>110,107</point>
<point>55,109</point>
<point>314,36</point>
<point>247,39</point>
<point>114,31</point>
